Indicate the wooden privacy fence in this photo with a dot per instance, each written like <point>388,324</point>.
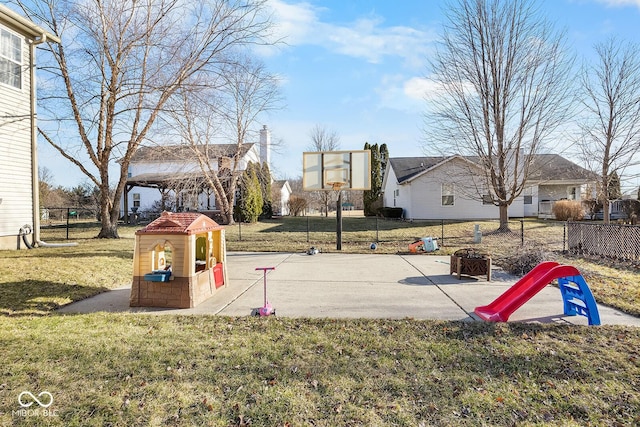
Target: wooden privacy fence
<point>614,241</point>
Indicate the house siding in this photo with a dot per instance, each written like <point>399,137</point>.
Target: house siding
<point>427,197</point>
<point>16,188</point>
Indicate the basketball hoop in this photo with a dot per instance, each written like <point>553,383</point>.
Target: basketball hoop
<point>336,186</point>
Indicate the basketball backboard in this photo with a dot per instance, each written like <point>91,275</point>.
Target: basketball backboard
<point>322,170</point>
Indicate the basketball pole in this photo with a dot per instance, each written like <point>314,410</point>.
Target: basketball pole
<point>339,221</point>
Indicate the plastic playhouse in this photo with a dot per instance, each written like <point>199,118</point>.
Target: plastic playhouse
<point>576,295</point>
<point>179,261</point>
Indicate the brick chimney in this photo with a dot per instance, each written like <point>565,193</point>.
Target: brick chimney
<point>265,146</point>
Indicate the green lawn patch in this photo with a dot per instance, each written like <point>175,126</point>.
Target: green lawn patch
<point>128,370</point>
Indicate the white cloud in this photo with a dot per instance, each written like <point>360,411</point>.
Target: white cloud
<point>619,3</point>
<point>366,38</point>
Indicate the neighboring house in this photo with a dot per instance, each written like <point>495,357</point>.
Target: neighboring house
<point>451,188</point>
<point>281,192</point>
<point>18,130</point>
<point>169,177</point>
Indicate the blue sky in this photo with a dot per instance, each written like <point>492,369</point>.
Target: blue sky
<point>359,68</point>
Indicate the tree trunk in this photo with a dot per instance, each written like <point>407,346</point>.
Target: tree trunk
<point>605,211</point>
<point>109,228</point>
<point>504,218</point>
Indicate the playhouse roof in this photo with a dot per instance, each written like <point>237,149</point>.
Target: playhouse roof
<point>180,223</point>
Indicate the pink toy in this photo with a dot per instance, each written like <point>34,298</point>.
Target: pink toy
<point>266,309</point>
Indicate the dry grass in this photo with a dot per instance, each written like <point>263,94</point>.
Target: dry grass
<point>137,370</point>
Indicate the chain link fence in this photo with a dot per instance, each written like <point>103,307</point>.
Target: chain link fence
<point>395,235</point>
<point>550,235</point>
<point>59,223</point>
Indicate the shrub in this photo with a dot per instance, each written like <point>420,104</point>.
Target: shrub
<point>524,261</point>
<point>297,205</point>
<point>565,210</point>
<point>388,212</point>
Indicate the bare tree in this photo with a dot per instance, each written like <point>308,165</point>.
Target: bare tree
<point>502,72</point>
<point>119,64</point>
<point>611,121</point>
<point>323,139</point>
<point>225,112</point>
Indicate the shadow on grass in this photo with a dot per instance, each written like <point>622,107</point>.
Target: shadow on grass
<point>40,298</point>
<point>79,251</point>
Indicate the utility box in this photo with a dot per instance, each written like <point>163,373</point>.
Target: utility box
<point>179,261</point>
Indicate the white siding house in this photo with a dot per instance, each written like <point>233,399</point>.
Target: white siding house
<point>281,193</point>
<point>18,131</point>
<point>451,187</point>
<point>172,172</point>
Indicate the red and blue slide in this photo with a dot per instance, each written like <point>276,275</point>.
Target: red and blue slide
<point>576,295</point>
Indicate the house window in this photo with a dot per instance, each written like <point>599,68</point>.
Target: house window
<point>527,195</point>
<point>10,59</point>
<point>486,199</point>
<point>571,193</point>
<point>447,194</point>
<point>136,200</point>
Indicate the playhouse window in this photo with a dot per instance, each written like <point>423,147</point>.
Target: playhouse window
<point>203,253</point>
<point>161,257</point>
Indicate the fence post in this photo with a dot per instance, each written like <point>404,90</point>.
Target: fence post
<point>377,231</point>
<point>307,229</point>
<point>240,228</point>
<point>442,232</point>
<point>564,237</point>
<point>522,232</point>
<point>68,210</point>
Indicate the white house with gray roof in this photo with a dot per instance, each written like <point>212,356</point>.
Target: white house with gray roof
<point>173,172</point>
<point>451,187</point>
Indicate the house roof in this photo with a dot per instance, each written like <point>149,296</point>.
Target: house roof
<point>180,223</point>
<point>407,168</point>
<point>25,26</point>
<point>553,167</point>
<point>545,167</point>
<point>182,152</point>
<point>279,184</point>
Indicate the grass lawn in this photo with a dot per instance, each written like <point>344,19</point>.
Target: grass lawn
<point>128,370</point>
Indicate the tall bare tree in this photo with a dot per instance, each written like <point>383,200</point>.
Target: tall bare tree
<point>118,65</point>
<point>323,139</point>
<point>611,120</point>
<point>218,121</point>
<point>502,71</point>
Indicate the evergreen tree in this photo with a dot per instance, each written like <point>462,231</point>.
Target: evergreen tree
<point>265,185</point>
<point>615,192</point>
<point>250,205</point>
<point>379,157</point>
